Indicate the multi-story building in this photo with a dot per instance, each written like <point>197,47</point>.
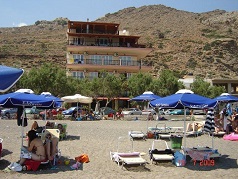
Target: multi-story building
<point>96,46</point>
<point>93,46</point>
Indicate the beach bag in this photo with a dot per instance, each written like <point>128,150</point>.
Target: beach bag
<point>179,159</point>
<point>82,158</point>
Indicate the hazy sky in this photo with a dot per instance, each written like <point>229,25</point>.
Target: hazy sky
<point>15,13</point>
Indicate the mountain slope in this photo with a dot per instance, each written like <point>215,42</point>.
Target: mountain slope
<point>204,44</point>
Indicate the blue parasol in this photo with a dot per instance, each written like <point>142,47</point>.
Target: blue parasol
<point>8,77</point>
<point>226,97</point>
<point>146,96</point>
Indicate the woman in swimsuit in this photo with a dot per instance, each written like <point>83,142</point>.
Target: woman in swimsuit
<point>35,147</point>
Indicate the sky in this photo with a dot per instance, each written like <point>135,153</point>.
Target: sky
<point>15,13</point>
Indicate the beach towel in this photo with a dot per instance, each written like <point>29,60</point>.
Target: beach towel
<point>210,124</point>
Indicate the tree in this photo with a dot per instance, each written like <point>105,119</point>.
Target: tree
<point>166,84</point>
<point>201,87</point>
<point>49,78</point>
<point>139,83</point>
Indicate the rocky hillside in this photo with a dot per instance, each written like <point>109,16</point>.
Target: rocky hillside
<point>204,44</point>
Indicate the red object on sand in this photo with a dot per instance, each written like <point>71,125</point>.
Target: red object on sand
<point>32,164</point>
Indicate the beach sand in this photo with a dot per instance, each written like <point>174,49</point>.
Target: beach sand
<point>98,138</point>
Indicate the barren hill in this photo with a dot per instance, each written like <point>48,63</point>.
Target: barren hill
<point>204,44</point>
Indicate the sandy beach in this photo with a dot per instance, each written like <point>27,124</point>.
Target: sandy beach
<point>98,138</point>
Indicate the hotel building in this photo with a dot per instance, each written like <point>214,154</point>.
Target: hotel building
<point>96,46</point>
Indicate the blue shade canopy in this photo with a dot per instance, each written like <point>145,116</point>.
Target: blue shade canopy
<point>8,77</point>
<point>226,97</point>
<point>27,100</point>
<point>58,101</point>
<point>184,100</point>
<point>146,96</point>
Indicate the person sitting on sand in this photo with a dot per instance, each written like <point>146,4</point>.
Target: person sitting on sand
<point>36,127</point>
<point>50,125</point>
<point>35,148</point>
<point>233,125</point>
<point>218,125</point>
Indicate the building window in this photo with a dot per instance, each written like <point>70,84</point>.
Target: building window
<point>103,42</point>
<point>78,59</point>
<point>78,74</point>
<point>93,75</point>
<point>125,60</point>
<point>107,60</point>
<point>78,41</point>
<point>97,59</point>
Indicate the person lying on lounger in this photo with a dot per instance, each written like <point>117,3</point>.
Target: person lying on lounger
<point>195,126</point>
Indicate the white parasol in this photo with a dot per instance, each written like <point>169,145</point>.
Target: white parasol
<point>77,98</point>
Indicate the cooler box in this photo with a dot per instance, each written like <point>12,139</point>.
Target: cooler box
<point>150,135</point>
<point>176,142</point>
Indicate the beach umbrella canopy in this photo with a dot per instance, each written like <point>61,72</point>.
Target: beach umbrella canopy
<point>8,77</point>
<point>184,100</point>
<point>146,96</point>
<point>24,91</point>
<point>77,98</point>
<point>25,99</point>
<point>226,97</point>
<point>58,101</point>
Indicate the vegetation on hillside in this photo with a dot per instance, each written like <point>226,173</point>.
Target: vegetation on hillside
<point>204,44</point>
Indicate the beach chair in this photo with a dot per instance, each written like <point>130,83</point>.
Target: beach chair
<point>157,155</point>
<point>137,135</point>
<point>55,133</point>
<point>162,131</point>
<point>201,153</point>
<point>63,130</point>
<point>128,157</point>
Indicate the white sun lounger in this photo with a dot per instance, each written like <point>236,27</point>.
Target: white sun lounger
<point>137,135</point>
<point>127,158</point>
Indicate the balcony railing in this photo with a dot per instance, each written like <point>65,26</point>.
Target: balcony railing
<point>108,62</point>
<point>113,44</point>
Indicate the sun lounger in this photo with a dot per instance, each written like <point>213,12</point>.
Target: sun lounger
<point>137,135</point>
<point>127,158</point>
<point>157,155</point>
<point>201,153</point>
<point>219,134</point>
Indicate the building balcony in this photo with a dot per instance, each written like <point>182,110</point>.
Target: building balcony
<point>110,66</point>
<point>93,43</point>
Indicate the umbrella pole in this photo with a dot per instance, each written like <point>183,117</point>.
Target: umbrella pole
<point>212,141</point>
<point>184,135</point>
<point>22,126</point>
<point>45,118</point>
<point>77,110</point>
